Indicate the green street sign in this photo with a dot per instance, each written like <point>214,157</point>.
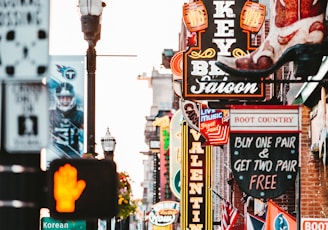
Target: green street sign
<point>48,223</point>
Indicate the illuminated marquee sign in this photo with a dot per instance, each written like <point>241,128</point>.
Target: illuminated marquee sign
<point>195,16</point>
<point>215,126</point>
<point>196,168</point>
<point>202,79</point>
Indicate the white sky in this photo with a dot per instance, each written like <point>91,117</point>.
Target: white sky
<point>143,28</point>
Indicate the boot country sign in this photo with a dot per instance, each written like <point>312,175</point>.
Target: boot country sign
<point>264,143</point>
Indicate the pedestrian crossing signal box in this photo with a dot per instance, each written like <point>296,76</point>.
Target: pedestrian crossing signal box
<point>82,189</point>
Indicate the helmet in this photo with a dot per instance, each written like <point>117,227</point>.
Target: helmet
<point>65,97</point>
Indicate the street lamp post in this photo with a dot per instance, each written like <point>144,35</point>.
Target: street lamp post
<point>108,143</point>
<point>91,11</point>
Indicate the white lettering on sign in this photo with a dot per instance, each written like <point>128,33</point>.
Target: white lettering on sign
<point>204,77</point>
<point>205,85</point>
<point>224,19</point>
<point>164,213</point>
<point>314,224</point>
<point>259,161</point>
<point>46,225</point>
<point>161,220</point>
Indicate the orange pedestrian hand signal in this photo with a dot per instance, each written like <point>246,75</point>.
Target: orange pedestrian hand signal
<point>73,183</point>
<point>67,188</point>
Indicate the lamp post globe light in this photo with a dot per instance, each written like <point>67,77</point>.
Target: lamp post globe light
<point>108,143</point>
<point>91,11</point>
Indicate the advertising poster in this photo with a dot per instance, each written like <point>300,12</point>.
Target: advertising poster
<point>264,165</point>
<point>264,148</point>
<point>66,107</point>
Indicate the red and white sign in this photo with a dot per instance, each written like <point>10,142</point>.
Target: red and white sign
<point>264,118</point>
<point>314,224</point>
<point>214,126</point>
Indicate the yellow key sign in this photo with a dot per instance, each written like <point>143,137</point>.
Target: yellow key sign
<point>67,188</point>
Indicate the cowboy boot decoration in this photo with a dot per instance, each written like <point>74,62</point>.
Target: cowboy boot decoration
<point>297,33</point>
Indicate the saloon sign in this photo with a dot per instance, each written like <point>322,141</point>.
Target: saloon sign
<point>264,143</point>
<point>221,30</point>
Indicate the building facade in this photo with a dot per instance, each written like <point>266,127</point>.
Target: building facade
<point>306,199</point>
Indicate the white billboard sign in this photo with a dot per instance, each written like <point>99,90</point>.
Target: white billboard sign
<point>24,43</point>
<point>250,118</point>
<point>26,117</point>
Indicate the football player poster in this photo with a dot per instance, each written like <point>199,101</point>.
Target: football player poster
<point>66,111</point>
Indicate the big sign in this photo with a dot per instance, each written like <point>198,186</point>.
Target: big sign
<point>196,169</point>
<point>264,165</point>
<point>217,27</point>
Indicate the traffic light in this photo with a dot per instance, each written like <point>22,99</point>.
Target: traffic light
<point>83,189</point>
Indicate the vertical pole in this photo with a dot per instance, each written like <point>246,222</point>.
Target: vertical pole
<point>91,101</point>
<point>91,56</point>
<point>91,97</point>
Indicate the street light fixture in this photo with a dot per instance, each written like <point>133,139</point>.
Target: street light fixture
<point>91,11</point>
<point>108,143</point>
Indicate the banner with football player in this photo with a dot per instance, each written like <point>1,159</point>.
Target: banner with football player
<point>66,111</point>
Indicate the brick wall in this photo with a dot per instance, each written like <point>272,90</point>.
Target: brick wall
<point>314,177</point>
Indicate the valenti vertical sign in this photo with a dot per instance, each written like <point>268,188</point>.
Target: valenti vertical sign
<point>196,168</point>
<point>264,145</point>
<point>218,27</point>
